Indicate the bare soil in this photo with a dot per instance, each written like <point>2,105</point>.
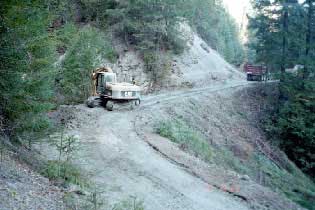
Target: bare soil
<point>22,188</point>
<point>124,157</point>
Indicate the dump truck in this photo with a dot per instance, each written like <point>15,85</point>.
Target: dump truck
<point>109,93</point>
<point>255,72</point>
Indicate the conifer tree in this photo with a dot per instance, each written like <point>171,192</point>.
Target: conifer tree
<point>283,39</point>
<point>27,55</point>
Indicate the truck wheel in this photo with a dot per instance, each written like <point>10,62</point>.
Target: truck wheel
<point>110,105</point>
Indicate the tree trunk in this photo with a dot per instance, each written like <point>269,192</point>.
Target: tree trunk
<point>285,17</point>
<point>284,39</point>
<point>308,38</point>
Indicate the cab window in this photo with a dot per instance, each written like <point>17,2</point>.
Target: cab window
<point>109,78</point>
<point>100,80</point>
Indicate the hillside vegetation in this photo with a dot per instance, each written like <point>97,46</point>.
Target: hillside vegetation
<point>48,48</point>
<point>282,35</point>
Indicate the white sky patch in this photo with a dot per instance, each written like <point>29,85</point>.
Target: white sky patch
<point>238,9</point>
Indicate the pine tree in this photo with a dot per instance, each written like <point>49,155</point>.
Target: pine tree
<point>27,54</point>
<point>284,38</point>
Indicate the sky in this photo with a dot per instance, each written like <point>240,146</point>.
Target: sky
<point>237,8</point>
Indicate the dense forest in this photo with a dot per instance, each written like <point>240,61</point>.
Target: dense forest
<point>282,36</point>
<point>36,34</point>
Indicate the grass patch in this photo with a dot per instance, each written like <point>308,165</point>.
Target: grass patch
<point>225,158</point>
<point>192,141</point>
<point>95,201</point>
<point>179,132</point>
<point>292,183</point>
<point>129,204</point>
<point>64,172</point>
<point>91,201</point>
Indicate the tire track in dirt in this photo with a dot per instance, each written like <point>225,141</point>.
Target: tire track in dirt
<point>160,98</point>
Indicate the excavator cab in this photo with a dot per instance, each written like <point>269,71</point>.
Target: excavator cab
<point>102,78</point>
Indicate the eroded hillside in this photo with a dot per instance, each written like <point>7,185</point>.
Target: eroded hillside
<point>198,66</point>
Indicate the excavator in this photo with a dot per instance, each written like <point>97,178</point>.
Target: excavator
<point>108,92</point>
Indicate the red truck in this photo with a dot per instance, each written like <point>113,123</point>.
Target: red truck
<point>255,72</point>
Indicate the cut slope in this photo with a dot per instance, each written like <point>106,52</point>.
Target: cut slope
<point>200,65</point>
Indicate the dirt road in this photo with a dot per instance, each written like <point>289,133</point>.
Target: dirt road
<point>123,165</point>
<point>164,97</point>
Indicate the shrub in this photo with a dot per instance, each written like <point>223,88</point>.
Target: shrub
<point>158,65</point>
<point>129,204</point>
<point>65,172</point>
<point>87,47</point>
